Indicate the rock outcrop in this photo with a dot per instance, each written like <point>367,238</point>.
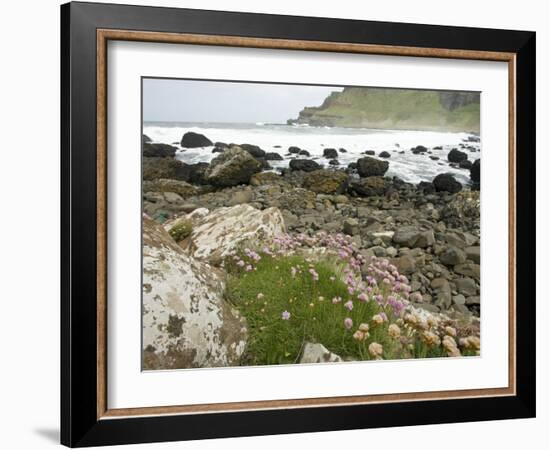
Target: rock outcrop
<point>186,322</point>
<point>233,167</point>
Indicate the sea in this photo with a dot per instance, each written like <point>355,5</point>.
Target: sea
<point>278,137</point>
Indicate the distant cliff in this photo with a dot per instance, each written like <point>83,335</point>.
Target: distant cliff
<point>398,109</point>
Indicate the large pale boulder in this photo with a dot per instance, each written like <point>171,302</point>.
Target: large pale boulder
<point>216,233</point>
<point>318,353</point>
<point>186,322</point>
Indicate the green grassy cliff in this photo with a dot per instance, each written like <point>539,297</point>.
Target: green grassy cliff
<point>398,109</point>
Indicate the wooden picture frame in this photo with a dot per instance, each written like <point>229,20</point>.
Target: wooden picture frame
<point>86,418</point>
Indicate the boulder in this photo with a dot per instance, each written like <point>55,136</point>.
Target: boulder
<point>233,167</point>
<point>326,181</point>
<point>419,149</point>
<point>412,237</point>
<point>154,168</point>
<point>446,182</point>
<point>194,140</point>
<point>456,156</point>
<point>158,150</point>
<point>254,150</point>
<point>369,187</point>
<point>351,226</point>
<point>452,256</point>
<point>185,320</point>
<point>305,165</point>
<point>369,152</point>
<point>475,171</point>
<point>304,153</point>
<point>466,286</point>
<point>334,162</point>
<point>465,164</point>
<point>182,188</point>
<point>263,178</point>
<point>317,353</point>
<point>369,167</point>
<point>384,154</point>
<point>216,233</point>
<point>294,150</point>
<point>146,138</point>
<point>273,156</point>
<point>472,253</point>
<point>330,153</point>
<point>405,264</point>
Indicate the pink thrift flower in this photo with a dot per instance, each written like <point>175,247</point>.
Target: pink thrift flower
<point>348,305</point>
<point>285,315</point>
<point>348,323</point>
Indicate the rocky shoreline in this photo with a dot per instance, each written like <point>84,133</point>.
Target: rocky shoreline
<point>429,231</point>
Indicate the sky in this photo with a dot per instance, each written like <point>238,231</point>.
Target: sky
<point>170,100</point>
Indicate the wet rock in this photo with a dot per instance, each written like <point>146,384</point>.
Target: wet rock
<point>326,181</point>
<point>254,150</point>
<point>419,149</point>
<point>185,320</point>
<point>369,152</point>
<point>334,162</point>
<point>446,182</point>
<point>456,156</point>
<point>158,150</point>
<point>305,165</point>
<point>330,153</point>
<point>317,353</point>
<point>475,171</point>
<point>465,164</point>
<point>368,167</point>
<point>304,153</point>
<point>273,156</point>
<point>146,139</point>
<point>194,140</point>
<point>233,167</point>
<point>294,150</point>
<point>384,155</point>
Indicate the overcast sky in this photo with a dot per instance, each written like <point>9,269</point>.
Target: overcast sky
<point>220,101</point>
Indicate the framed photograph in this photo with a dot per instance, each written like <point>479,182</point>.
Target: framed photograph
<point>276,224</point>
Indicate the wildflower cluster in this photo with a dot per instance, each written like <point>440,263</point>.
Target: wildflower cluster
<point>366,315</point>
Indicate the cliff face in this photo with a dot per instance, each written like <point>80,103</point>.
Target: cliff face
<point>397,109</point>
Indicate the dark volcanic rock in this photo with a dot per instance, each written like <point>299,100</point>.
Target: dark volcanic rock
<point>475,170</point>
<point>446,182</point>
<point>155,168</point>
<point>146,139</point>
<point>419,149</point>
<point>158,150</point>
<point>233,167</point>
<point>305,165</point>
<point>334,162</point>
<point>342,150</point>
<point>254,150</point>
<point>384,155</point>
<point>426,187</point>
<point>330,153</point>
<point>369,167</point>
<point>194,140</point>
<point>465,164</point>
<point>456,156</point>
<point>294,150</point>
<point>273,156</point>
<point>304,153</point>
<point>369,187</point>
<point>435,158</point>
<point>369,152</point>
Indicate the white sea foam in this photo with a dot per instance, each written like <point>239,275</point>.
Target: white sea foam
<point>408,166</point>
